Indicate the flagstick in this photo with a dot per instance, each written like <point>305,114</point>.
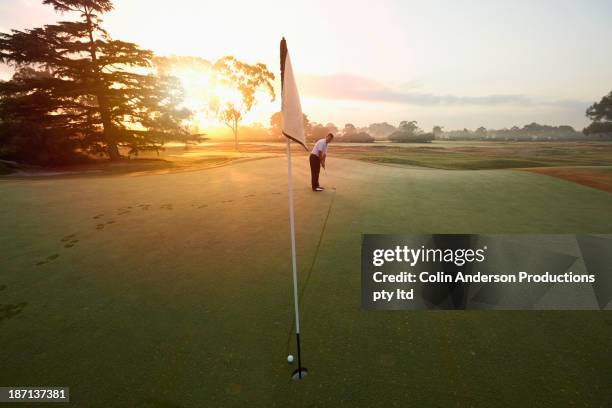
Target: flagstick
<point>293,262</point>
<point>283,57</point>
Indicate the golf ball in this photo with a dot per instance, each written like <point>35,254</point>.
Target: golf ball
<point>290,359</point>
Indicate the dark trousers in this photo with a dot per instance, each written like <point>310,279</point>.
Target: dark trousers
<point>315,169</point>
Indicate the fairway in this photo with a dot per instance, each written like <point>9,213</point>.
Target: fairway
<point>174,290</point>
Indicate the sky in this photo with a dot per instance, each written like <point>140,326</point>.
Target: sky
<point>456,64</point>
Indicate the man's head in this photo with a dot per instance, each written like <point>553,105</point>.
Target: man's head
<point>329,137</point>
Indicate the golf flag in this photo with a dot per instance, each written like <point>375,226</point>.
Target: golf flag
<point>293,129</point>
<point>292,123</point>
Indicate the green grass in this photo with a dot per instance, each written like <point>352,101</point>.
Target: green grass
<point>457,162</point>
<point>484,155</point>
<point>176,290</point>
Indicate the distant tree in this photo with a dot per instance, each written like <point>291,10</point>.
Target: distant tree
<point>256,132</point>
<point>332,128</point>
<point>601,115</point>
<point>318,131</point>
<point>248,80</point>
<point>535,127</point>
<point>349,129</point>
<point>357,137</point>
<point>307,127</point>
<point>381,130</point>
<point>77,89</point>
<point>275,125</point>
<point>532,131</point>
<point>409,132</point>
<point>406,137</point>
<point>481,132</point>
<point>437,131</point>
<point>409,127</point>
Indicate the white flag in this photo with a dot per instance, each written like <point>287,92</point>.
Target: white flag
<point>292,122</point>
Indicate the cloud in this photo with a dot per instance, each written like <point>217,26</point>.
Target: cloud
<point>354,87</point>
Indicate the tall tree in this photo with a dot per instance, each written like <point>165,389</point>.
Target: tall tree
<point>83,87</point>
<point>410,127</point>
<point>601,115</point>
<point>349,129</point>
<point>248,80</point>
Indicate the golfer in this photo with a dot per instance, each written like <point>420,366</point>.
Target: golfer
<point>317,159</point>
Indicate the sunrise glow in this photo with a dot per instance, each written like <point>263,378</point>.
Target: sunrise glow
<point>441,63</point>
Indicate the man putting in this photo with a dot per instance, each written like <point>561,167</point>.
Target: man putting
<point>317,159</point>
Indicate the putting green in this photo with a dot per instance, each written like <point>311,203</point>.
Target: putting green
<point>174,290</point>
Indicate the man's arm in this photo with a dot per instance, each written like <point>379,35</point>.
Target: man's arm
<point>322,157</point>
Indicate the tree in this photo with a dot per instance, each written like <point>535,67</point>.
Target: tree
<point>247,80</point>
<point>601,115</point>
<point>275,125</point>
<point>409,132</point>
<point>406,137</point>
<point>438,131</point>
<point>189,69</point>
<point>348,130</point>
<point>318,131</point>
<point>307,127</point>
<point>77,88</point>
<point>332,128</point>
<point>357,137</point>
<point>481,132</point>
<point>381,130</point>
<point>536,127</point>
<point>409,127</point>
<point>256,132</point>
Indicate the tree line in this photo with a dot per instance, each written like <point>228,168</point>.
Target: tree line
<point>410,132</point>
<point>600,113</point>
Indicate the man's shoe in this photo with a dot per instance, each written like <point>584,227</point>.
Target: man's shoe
<point>317,190</point>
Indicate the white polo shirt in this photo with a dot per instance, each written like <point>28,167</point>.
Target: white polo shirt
<point>320,147</point>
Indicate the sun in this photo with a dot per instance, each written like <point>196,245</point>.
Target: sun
<point>197,86</point>
<point>205,95</point>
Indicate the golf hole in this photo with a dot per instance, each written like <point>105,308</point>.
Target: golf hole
<point>296,374</point>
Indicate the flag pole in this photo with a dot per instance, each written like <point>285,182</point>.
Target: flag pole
<point>299,371</point>
<point>293,261</point>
